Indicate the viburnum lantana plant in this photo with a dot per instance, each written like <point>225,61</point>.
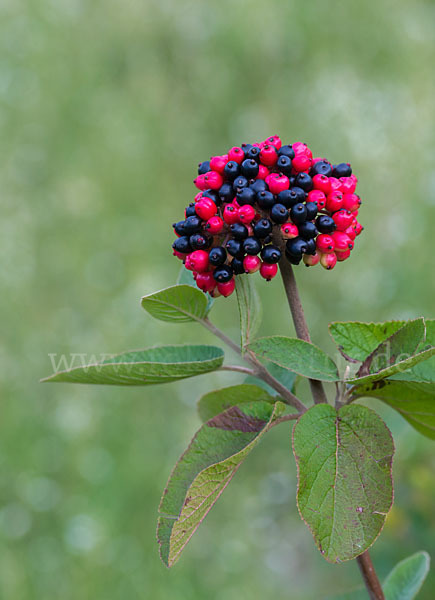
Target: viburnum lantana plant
<point>266,207</point>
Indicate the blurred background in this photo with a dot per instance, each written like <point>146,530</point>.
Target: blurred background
<point>106,109</point>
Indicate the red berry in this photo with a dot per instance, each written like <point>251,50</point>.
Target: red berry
<point>198,196</point>
<point>236,154</point>
<point>275,141</point>
<point>335,184</point>
<point>217,163</point>
<point>205,281</point>
<point>268,270</point>
<point>334,201</point>
<point>318,197</point>
<point>205,208</point>
<point>343,255</point>
<point>289,231</point>
<point>300,148</point>
<point>251,263</point>
<point>322,183</point>
<point>179,255</point>
<point>342,241</point>
<point>351,202</point>
<point>348,185</point>
<point>358,228</point>
<point>227,288</point>
<point>213,179</point>
<point>268,155</point>
<point>263,172</point>
<point>197,261</point>
<point>343,219</point>
<point>246,213</point>
<point>278,183</point>
<point>311,259</point>
<point>201,183</point>
<point>328,261</point>
<point>325,243</point>
<point>351,232</point>
<point>300,163</point>
<point>318,159</point>
<point>230,214</point>
<point>214,225</point>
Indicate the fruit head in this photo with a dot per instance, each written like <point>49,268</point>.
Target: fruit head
<point>262,203</point>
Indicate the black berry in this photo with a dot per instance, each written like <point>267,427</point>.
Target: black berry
<point>298,213</point>
<point>217,256</point>
<point>284,164</point>
<point>246,196</point>
<point>311,211</point>
<point>307,230</point>
<point>271,254</point>
<point>235,248</point>
<point>262,228</point>
<point>231,170</point>
<point>266,200</point>
<point>182,244</point>
<point>204,167</point>
<point>251,245</point>
<point>342,170</point>
<point>279,213</point>
<point>325,224</point>
<point>286,150</point>
<point>249,168</point>
<point>321,167</point>
<point>239,231</point>
<point>304,181</point>
<point>223,274</point>
<point>192,225</point>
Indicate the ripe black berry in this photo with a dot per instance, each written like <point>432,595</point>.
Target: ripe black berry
<point>192,225</point>
<point>307,230</point>
<point>231,170</point>
<point>342,170</point>
<point>251,245</point>
<point>199,241</point>
<point>190,210</point>
<point>262,228</point>
<point>287,198</point>
<point>311,211</point>
<point>284,164</point>
<point>311,246</point>
<point>279,213</point>
<point>259,185</point>
<point>246,196</point>
<point>204,167</point>
<point>325,224</point>
<point>212,194</point>
<point>235,248</point>
<point>249,168</point>
<point>179,227</point>
<point>226,192</point>
<point>217,256</point>
<point>286,150</point>
<point>237,265</point>
<point>298,213</point>
<point>182,244</point>
<point>239,231</point>
<point>266,200</point>
<point>304,181</point>
<point>254,153</point>
<point>321,167</point>
<point>271,254</point>
<point>297,194</point>
<point>240,182</point>
<point>223,274</point>
<point>296,247</point>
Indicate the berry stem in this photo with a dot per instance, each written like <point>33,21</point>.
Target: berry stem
<point>258,369</point>
<point>301,327</point>
<point>368,573</point>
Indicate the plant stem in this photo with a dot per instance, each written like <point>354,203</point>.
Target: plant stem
<point>258,369</point>
<point>238,369</point>
<point>369,575</point>
<point>301,327</point>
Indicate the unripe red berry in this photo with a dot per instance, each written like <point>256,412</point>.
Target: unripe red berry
<point>351,202</point>
<point>300,163</point>
<point>343,219</point>
<point>301,148</point>
<point>268,155</point>
<point>343,255</point>
<point>213,180</point>
<point>335,184</point>
<point>318,197</point>
<point>217,163</point>
<point>311,259</point>
<point>179,255</point>
<point>230,214</point>
<point>275,141</point>
<point>334,201</point>
<point>318,159</point>
<point>342,241</point>
<point>201,183</point>
<point>348,185</point>
<point>205,281</point>
<point>214,225</point>
<point>358,228</point>
<point>328,261</point>
<point>322,183</point>
<point>197,261</point>
<point>198,196</point>
<point>236,154</point>
<point>268,270</point>
<point>325,243</point>
<point>246,213</point>
<point>251,264</point>
<point>205,208</point>
<point>289,231</point>
<point>227,288</point>
<point>263,172</point>
<point>278,183</point>
<point>351,232</point>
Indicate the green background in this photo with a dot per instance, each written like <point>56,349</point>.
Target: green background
<point>106,108</point>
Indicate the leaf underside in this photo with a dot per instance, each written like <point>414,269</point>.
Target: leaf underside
<point>161,364</point>
<point>205,469</point>
<point>345,487</point>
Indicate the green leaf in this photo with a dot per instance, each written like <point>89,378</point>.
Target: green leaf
<point>250,309</point>
<point>296,355</point>
<point>415,401</point>
<point>215,402</point>
<point>405,580</point>
<point>284,376</point>
<point>423,371</point>
<point>161,364</point>
<point>179,304</point>
<point>185,277</point>
<point>205,469</point>
<point>345,487</point>
<point>357,340</point>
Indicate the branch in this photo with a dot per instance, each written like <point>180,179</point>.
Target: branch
<point>238,369</point>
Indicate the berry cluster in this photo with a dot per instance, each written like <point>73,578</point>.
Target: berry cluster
<point>260,201</point>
